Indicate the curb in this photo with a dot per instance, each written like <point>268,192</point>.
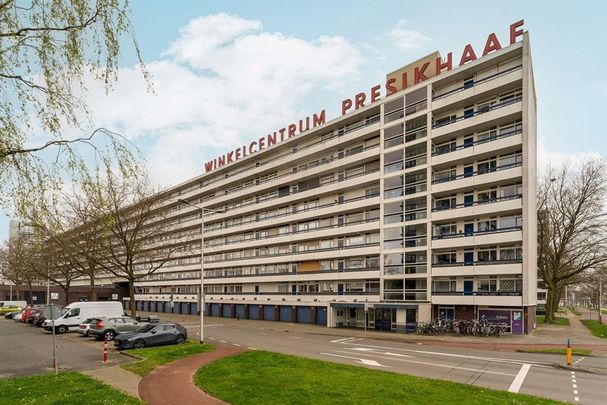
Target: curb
<point>589,370</point>
<point>134,356</point>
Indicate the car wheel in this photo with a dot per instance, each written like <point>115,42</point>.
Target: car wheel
<point>139,344</point>
<point>110,335</point>
<point>180,339</point>
<point>62,329</point>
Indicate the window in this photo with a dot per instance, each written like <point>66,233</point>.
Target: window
<point>445,203</point>
<point>486,196</point>
<point>511,159</point>
<point>509,191</point>
<point>489,285</point>
<point>73,312</point>
<point>445,257</point>
<point>444,175</point>
<point>487,226</point>
<point>511,221</point>
<point>486,166</point>
<point>487,255</point>
<point>444,230</point>
<point>511,253</point>
<point>393,259</point>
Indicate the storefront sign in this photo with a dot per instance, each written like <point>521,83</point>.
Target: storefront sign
<point>407,77</point>
<point>494,316</point>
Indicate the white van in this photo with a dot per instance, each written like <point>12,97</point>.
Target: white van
<point>21,304</point>
<point>75,313</point>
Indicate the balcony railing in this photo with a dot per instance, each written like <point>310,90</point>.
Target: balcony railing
<point>484,110</point>
<point>291,253</point>
<point>477,202</point>
<point>476,173</point>
<point>480,293</point>
<point>445,150</point>
<point>476,83</point>
<point>465,234</point>
<point>291,232</point>
<point>285,293</point>
<point>478,263</point>
<point>289,272</point>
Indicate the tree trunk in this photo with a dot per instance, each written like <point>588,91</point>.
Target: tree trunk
<point>549,305</point>
<point>66,291</point>
<point>132,298</point>
<point>29,286</point>
<point>556,299</point>
<point>93,291</point>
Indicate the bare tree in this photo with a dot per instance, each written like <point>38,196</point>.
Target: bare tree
<point>572,226</point>
<point>7,271</point>
<point>137,233</point>
<point>19,265</point>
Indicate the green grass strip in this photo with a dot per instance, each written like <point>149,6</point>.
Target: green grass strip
<point>156,356</point>
<point>576,352</point>
<point>258,377</point>
<point>67,388</point>
<point>596,328</point>
<point>558,320</point>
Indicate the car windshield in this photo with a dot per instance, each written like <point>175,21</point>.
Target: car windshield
<point>146,328</point>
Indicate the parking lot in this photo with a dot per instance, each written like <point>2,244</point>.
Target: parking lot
<point>28,350</point>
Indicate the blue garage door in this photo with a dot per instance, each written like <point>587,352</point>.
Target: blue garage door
<point>152,306</point>
<point>194,309</point>
<point>321,316</point>
<point>227,310</point>
<point>177,308</point>
<point>253,312</point>
<point>139,305</point>
<point>268,312</point>
<point>146,306</point>
<point>214,309</point>
<point>185,308</point>
<point>240,311</point>
<point>167,307</point>
<point>125,304</point>
<point>207,309</point>
<point>304,315</point>
<point>285,314</point>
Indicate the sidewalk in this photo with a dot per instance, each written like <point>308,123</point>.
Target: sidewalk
<point>173,384</point>
<point>117,378</point>
<point>543,336</point>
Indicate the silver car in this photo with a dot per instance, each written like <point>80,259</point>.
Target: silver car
<point>109,327</point>
<point>86,325</point>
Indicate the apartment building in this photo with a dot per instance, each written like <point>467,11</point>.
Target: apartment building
<point>419,205</point>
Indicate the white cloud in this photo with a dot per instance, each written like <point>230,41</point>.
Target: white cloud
<point>405,39</point>
<point>222,82</point>
<point>548,158</point>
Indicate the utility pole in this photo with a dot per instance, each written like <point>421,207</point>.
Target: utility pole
<point>600,295</point>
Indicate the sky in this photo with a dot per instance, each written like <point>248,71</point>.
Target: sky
<point>224,72</point>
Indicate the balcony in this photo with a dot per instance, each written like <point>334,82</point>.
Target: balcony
<point>477,178</point>
<point>497,298</point>
<point>475,238</point>
<point>502,112</point>
<point>288,298</point>
<point>494,267</point>
<point>451,152</point>
<point>288,275</point>
<point>478,208</point>
<point>477,88</point>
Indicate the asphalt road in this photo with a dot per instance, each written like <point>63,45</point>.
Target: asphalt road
<point>535,374</point>
<point>28,350</point>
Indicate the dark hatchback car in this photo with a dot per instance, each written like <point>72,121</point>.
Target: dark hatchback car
<point>152,335</point>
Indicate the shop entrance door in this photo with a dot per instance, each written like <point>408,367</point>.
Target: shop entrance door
<point>383,319</point>
<point>517,322</point>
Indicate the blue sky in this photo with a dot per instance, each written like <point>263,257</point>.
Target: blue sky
<point>228,71</point>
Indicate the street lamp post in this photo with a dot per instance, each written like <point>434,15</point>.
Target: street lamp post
<point>202,212</point>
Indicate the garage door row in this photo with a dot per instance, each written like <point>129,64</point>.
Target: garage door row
<point>187,308</point>
<point>282,313</point>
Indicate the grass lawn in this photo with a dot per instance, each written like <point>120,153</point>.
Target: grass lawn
<point>558,320</point>
<point>576,352</point>
<point>156,356</point>
<point>258,377</point>
<point>575,311</point>
<point>596,328</point>
<point>65,389</point>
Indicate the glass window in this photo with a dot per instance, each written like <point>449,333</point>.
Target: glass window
<point>487,226</point>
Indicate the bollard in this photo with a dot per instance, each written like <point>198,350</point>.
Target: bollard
<point>569,352</point>
<point>105,352</point>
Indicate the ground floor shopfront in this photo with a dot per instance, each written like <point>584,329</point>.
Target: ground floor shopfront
<point>520,320</point>
<point>396,317</point>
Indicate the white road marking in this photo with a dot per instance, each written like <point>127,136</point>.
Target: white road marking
<point>212,338</point>
<point>577,399</point>
<point>252,348</point>
<point>342,340</point>
<point>371,363</point>
<point>575,392</point>
<point>222,341</point>
<point>520,377</point>
<point>363,349</point>
<point>475,370</point>
<point>236,344</point>
<point>296,337</point>
<point>574,385</point>
<point>370,350</point>
<point>494,359</point>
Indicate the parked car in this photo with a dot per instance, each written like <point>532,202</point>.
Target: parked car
<point>10,308</point>
<point>86,325</point>
<point>49,311</point>
<point>109,327</point>
<point>76,312</point>
<point>152,335</point>
<point>35,310</point>
<point>21,304</point>
<point>17,317</point>
<point>11,315</point>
